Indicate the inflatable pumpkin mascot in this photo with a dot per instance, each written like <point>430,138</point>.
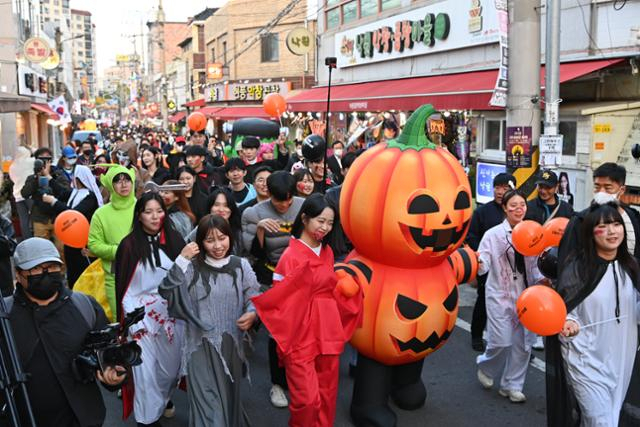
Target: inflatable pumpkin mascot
<point>406,206</point>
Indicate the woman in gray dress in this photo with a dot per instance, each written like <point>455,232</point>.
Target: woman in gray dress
<point>211,289</point>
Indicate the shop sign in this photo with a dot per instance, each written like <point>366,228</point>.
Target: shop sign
<point>436,126</point>
<point>602,128</point>
<point>485,173</point>
<point>599,146</point>
<point>421,31</point>
<point>551,150</point>
<point>214,71</point>
<point>499,97</point>
<point>32,83</point>
<point>245,92</point>
<point>518,148</point>
<point>36,50</point>
<point>300,41</point>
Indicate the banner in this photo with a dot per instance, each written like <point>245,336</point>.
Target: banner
<point>60,106</point>
<point>499,97</point>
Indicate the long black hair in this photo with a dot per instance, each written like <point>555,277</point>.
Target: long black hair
<point>234,219</point>
<point>168,238</point>
<point>607,213</point>
<point>311,208</point>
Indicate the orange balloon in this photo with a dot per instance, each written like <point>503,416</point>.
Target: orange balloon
<point>72,228</point>
<point>528,238</point>
<point>274,104</point>
<point>197,121</point>
<point>541,310</point>
<point>554,230</point>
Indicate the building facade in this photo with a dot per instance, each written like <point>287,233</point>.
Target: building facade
<point>83,33</point>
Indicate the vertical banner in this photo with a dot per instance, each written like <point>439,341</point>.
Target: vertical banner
<point>518,148</point>
<point>499,97</point>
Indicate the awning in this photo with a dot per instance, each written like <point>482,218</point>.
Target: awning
<point>209,111</point>
<point>196,103</point>
<point>10,103</point>
<point>471,91</point>
<point>175,118</point>
<point>232,113</point>
<point>44,108</point>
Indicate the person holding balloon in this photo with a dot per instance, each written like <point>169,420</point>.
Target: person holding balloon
<point>85,197</point>
<point>509,273</point>
<point>589,364</point>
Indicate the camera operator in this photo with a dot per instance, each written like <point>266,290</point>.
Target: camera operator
<point>50,323</point>
<point>36,185</point>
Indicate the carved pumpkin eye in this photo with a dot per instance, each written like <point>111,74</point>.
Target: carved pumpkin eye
<point>423,204</point>
<point>452,300</point>
<point>409,308</point>
<point>462,201</point>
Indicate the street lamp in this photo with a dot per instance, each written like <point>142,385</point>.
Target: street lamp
<point>330,62</point>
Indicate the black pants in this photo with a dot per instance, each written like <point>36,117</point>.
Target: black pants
<point>479,319</point>
<point>278,375</point>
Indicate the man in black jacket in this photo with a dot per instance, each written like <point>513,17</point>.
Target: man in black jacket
<point>485,217</point>
<point>7,246</point>
<point>547,205</point>
<point>49,324</point>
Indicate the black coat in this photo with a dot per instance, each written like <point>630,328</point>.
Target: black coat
<point>484,217</point>
<point>60,329</point>
<point>40,212</point>
<point>7,246</point>
<point>538,212</point>
<point>335,168</point>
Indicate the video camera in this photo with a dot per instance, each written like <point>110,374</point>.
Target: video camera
<point>109,347</point>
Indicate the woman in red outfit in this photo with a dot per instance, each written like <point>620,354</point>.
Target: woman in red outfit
<point>311,313</point>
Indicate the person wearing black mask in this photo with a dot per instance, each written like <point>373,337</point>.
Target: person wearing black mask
<point>86,153</point>
<point>40,308</point>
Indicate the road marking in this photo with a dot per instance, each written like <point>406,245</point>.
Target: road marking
<point>536,362</point>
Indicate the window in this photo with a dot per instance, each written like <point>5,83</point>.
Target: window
<point>213,55</point>
<point>569,131</point>
<point>368,7</point>
<point>269,47</point>
<point>339,12</point>
<point>495,134</point>
<point>224,53</point>
<point>349,12</point>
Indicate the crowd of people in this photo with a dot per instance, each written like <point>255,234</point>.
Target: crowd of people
<point>213,246</point>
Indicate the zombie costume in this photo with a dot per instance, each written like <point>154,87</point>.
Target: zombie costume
<point>211,295</point>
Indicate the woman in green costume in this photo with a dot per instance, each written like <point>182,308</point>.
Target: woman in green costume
<point>112,222</point>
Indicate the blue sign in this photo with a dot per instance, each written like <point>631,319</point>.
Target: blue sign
<point>485,172</point>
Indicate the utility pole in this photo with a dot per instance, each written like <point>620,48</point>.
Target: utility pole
<point>552,68</point>
<point>523,96</point>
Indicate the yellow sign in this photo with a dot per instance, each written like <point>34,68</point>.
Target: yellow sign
<point>36,49</point>
<point>126,58</point>
<point>436,126</point>
<point>602,128</point>
<point>52,61</point>
<point>300,41</point>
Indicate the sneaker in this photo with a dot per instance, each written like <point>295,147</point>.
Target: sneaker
<point>539,344</point>
<point>169,410</point>
<point>478,344</point>
<point>513,395</point>
<point>278,398</point>
<point>485,380</point>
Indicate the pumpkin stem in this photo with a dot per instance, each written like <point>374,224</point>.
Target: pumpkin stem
<point>414,134</point>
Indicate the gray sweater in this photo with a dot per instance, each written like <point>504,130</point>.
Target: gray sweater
<point>274,243</point>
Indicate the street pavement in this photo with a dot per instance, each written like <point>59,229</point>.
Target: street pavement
<point>455,398</point>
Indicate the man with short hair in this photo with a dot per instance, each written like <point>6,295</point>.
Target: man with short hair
<point>485,217</point>
<point>547,205</point>
<point>335,161</point>
<point>50,323</point>
<point>208,176</point>
<point>235,171</point>
<point>260,176</point>
<point>266,232</point>
<point>86,153</point>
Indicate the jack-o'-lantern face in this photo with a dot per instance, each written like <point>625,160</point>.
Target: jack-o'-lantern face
<point>408,313</point>
<point>436,222</point>
<point>406,203</point>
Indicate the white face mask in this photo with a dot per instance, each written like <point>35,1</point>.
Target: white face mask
<point>72,161</point>
<point>299,152</point>
<point>337,152</point>
<point>602,197</point>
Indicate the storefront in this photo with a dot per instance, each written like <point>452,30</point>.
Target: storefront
<point>36,127</point>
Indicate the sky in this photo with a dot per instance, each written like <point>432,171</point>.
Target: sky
<point>117,20</point>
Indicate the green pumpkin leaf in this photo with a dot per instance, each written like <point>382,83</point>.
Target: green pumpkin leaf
<point>414,135</point>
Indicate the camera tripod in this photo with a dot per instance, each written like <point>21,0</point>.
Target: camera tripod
<point>12,378</point>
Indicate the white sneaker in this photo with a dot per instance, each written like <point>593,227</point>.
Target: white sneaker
<point>169,410</point>
<point>485,380</point>
<point>278,398</point>
<point>539,344</point>
<point>513,395</point>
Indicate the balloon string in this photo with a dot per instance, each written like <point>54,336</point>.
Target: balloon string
<point>603,321</point>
